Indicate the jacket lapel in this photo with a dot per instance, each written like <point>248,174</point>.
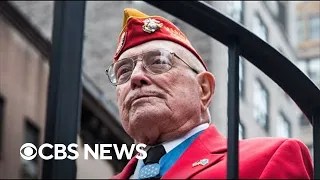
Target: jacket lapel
<point>128,169</point>
<point>210,145</point>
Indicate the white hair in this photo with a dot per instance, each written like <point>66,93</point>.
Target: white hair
<point>191,59</point>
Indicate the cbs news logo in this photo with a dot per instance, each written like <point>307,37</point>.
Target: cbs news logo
<point>29,151</point>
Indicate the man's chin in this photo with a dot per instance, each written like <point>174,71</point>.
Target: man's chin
<point>142,121</point>
<point>146,140</point>
<point>144,134</point>
<point>145,121</point>
<point>143,112</point>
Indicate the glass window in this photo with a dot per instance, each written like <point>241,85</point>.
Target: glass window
<point>311,68</point>
<point>241,76</point>
<point>310,147</point>
<point>304,120</point>
<point>302,65</point>
<point>29,168</point>
<point>301,30</point>
<point>274,7</point>
<point>314,70</point>
<point>259,28</point>
<point>241,131</point>
<point>282,15</point>
<point>235,10</point>
<point>314,27</point>
<point>283,126</point>
<point>261,102</point>
<point>31,133</point>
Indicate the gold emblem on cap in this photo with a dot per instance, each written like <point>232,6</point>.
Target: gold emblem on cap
<point>151,25</point>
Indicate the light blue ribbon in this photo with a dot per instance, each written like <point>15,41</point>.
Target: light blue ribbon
<point>168,160</point>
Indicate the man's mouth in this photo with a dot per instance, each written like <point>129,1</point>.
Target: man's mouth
<point>136,98</point>
<point>141,98</point>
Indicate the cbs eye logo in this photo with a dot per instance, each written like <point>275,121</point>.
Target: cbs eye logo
<point>28,151</point>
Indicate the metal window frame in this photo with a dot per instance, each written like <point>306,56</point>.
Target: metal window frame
<point>65,86</point>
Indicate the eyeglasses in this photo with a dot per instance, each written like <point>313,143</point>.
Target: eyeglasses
<point>155,62</point>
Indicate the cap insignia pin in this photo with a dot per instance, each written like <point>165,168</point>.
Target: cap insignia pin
<point>151,25</point>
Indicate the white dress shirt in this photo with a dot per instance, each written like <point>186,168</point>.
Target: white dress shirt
<point>169,145</point>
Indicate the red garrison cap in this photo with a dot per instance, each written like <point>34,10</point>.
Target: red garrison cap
<point>139,28</point>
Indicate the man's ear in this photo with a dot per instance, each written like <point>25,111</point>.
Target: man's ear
<point>207,85</point>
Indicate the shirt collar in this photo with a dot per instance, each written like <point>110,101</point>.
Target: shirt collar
<point>169,145</point>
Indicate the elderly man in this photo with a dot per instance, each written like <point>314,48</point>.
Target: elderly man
<point>163,93</point>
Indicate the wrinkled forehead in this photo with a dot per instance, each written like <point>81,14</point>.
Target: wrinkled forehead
<point>150,46</point>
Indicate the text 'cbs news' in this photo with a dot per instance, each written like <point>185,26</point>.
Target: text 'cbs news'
<point>29,151</point>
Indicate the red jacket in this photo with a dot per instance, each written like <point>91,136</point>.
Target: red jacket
<point>258,158</point>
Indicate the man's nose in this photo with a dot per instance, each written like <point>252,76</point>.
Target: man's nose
<point>138,76</point>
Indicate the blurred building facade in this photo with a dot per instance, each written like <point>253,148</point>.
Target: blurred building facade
<point>307,43</point>
<point>265,109</point>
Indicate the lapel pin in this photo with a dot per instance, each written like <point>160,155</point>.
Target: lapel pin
<point>201,162</point>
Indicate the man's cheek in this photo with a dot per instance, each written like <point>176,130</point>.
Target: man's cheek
<point>119,98</point>
<point>117,94</point>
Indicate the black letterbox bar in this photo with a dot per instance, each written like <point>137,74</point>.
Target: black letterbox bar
<point>233,110</point>
<point>316,143</point>
<point>64,86</point>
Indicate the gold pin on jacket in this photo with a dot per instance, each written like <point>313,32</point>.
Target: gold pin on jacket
<point>201,162</point>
